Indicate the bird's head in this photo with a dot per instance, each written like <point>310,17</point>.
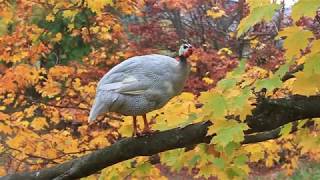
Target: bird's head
<point>185,50</point>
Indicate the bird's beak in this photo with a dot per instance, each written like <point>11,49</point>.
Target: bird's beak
<point>188,52</point>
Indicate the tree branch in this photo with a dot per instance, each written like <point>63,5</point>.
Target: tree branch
<point>124,149</point>
<point>266,119</point>
<point>270,114</point>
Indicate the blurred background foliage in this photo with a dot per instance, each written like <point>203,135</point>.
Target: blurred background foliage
<point>52,54</point>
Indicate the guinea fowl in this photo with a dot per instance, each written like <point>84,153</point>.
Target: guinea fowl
<point>140,85</point>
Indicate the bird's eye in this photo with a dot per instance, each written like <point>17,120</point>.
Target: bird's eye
<point>185,47</point>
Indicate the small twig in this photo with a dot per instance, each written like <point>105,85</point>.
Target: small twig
<point>35,156</point>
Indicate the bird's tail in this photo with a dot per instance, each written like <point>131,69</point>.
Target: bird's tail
<point>98,108</point>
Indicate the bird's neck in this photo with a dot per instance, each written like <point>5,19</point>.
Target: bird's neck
<point>182,59</point>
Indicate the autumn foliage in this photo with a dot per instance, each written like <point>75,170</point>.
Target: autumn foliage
<point>52,54</point>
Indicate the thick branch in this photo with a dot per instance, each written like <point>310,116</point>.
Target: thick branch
<point>269,115</point>
<point>122,150</point>
<point>273,113</point>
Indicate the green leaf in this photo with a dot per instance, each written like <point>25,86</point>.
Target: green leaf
<point>229,149</point>
<point>269,84</point>
<point>231,173</point>
<point>312,64</point>
<point>231,133</point>
<point>38,14</point>
<point>241,160</point>
<point>305,8</point>
<point>283,69</point>
<point>306,83</point>
<point>217,104</point>
<point>143,168</point>
<point>206,171</point>
<point>297,39</point>
<point>225,84</point>
<point>82,19</point>
<point>239,101</point>
<point>235,171</point>
<point>301,123</point>
<point>257,14</point>
<point>195,159</point>
<point>240,69</point>
<point>219,162</point>
<point>172,158</point>
<point>3,28</point>
<point>286,129</point>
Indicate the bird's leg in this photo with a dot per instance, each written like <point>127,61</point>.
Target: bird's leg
<point>146,129</point>
<point>134,133</point>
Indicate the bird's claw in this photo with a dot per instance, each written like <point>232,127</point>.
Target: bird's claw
<point>145,132</point>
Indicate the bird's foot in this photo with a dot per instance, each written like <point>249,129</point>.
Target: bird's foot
<point>146,132</point>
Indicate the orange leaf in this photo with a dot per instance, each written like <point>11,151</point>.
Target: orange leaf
<point>39,123</point>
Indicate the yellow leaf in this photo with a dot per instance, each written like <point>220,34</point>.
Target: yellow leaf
<point>126,128</point>
<point>58,37</point>
<point>50,18</point>
<point>5,129</point>
<point>98,5</point>
<point>297,39</point>
<point>99,141</point>
<point>17,141</point>
<point>4,116</point>
<point>269,161</point>
<point>216,12</point>
<point>95,29</point>
<point>225,50</point>
<point>61,72</point>
<point>50,88</point>
<point>207,80</point>
<point>69,13</point>
<point>30,111</point>
<point>39,123</point>
<point>2,171</point>
<point>70,27</point>
<point>256,152</point>
<point>306,84</point>
<point>6,15</point>
<point>51,153</point>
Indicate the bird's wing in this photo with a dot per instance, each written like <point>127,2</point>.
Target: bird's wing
<point>129,86</point>
<point>137,74</point>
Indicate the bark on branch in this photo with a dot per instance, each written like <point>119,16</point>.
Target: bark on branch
<point>266,119</point>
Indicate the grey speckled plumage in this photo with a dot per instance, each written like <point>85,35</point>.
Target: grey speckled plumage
<point>139,85</point>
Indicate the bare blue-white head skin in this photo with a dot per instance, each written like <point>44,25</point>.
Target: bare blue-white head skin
<point>185,50</point>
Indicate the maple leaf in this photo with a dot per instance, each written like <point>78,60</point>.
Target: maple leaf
<point>306,84</point>
<point>231,132</point>
<point>215,12</point>
<point>39,123</point>
<point>97,5</point>
<point>5,129</point>
<point>259,12</point>
<point>6,15</point>
<point>61,72</point>
<point>304,8</point>
<point>214,103</point>
<point>50,17</point>
<point>270,84</point>
<point>256,152</point>
<point>57,37</point>
<point>297,39</point>
<point>50,88</point>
